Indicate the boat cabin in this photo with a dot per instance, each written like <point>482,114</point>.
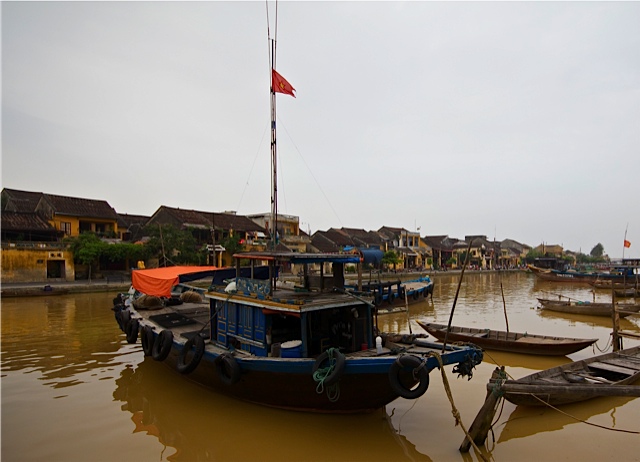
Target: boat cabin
<point>265,317</point>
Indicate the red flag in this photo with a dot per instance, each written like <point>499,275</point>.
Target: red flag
<point>627,244</point>
<point>280,85</point>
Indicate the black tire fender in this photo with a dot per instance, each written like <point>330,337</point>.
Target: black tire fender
<point>131,330</point>
<point>338,370</point>
<point>162,345</point>
<point>125,318</point>
<point>404,365</point>
<point>227,368</point>
<point>416,294</point>
<point>195,343</point>
<point>147,339</point>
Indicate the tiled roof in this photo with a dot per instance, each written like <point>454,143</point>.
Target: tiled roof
<point>27,201</point>
<point>125,220</point>
<point>225,221</point>
<point>20,201</point>
<point>321,242</point>
<point>364,238</point>
<point>14,221</point>
<point>79,207</point>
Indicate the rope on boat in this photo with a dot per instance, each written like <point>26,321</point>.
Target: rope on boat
<point>333,391</point>
<point>454,410</point>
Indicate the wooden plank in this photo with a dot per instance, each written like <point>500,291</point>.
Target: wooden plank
<point>627,333</point>
<point>624,363</point>
<point>612,368</point>
<point>595,390</point>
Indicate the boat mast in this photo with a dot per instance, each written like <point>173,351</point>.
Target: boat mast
<point>274,146</point>
<point>274,153</point>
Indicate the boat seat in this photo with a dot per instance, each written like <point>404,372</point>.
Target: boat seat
<point>612,368</point>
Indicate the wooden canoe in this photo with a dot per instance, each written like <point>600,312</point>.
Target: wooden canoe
<point>587,308</point>
<point>611,374</point>
<point>513,342</point>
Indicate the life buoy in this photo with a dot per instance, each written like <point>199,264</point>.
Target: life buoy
<point>409,369</point>
<point>131,330</point>
<point>195,343</point>
<point>227,368</point>
<point>162,345</point>
<point>338,368</point>
<point>147,339</point>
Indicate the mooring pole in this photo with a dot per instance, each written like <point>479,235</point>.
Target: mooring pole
<point>482,423</point>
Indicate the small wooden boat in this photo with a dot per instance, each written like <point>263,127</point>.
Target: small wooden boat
<point>624,273</point>
<point>627,293</point>
<point>611,374</point>
<point>608,285</point>
<point>513,342</point>
<point>588,308</point>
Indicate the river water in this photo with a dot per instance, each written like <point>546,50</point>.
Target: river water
<point>74,390</point>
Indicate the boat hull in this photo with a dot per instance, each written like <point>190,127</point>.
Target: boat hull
<point>512,342</point>
<point>368,378</point>
<point>611,374</point>
<point>589,309</point>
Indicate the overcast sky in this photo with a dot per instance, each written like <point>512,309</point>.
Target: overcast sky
<point>505,119</point>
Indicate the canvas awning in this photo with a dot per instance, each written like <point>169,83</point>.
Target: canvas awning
<point>159,281</point>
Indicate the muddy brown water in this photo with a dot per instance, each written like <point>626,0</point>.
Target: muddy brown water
<point>74,390</point>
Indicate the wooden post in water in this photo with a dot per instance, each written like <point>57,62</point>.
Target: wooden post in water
<point>406,306</point>
<point>615,317</point>
<point>482,423</point>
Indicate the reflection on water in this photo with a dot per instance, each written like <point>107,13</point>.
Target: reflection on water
<point>59,337</point>
<point>195,424</point>
<point>525,421</point>
<point>64,360</point>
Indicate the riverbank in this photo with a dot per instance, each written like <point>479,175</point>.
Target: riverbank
<point>35,289</point>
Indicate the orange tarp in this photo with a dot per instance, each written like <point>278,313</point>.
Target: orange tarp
<point>159,281</point>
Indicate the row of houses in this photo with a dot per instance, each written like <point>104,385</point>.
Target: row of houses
<point>34,224</point>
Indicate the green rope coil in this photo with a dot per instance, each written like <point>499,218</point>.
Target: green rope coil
<point>333,391</point>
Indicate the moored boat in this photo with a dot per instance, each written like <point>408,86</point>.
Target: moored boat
<point>611,374</point>
<point>395,296</point>
<point>571,275</point>
<point>514,342</point>
<point>312,350</point>
<point>588,308</point>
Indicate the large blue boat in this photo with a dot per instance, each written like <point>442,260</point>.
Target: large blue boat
<point>312,348</point>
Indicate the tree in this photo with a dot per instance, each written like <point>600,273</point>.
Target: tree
<point>391,258</point>
<point>87,249</point>
<point>597,251</point>
<point>174,246</point>
<point>124,252</point>
<point>232,245</point>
